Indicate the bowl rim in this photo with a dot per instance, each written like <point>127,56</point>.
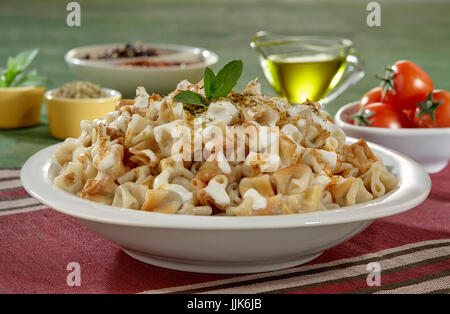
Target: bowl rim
<point>21,88</point>
<point>386,131</point>
<point>112,94</point>
<point>210,59</point>
<point>414,187</point>
<point>342,41</point>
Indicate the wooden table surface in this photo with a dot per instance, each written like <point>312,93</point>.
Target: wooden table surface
<point>414,30</point>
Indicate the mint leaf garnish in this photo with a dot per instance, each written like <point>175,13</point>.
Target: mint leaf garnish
<point>227,78</point>
<point>209,83</point>
<point>215,86</point>
<point>190,98</point>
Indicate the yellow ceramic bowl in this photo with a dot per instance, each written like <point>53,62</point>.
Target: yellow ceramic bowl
<point>20,106</point>
<point>65,114</point>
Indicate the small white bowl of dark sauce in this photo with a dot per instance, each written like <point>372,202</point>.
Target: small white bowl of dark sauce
<point>157,67</point>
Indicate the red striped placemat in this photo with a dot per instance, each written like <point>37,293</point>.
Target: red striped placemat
<point>412,250</point>
<point>13,198</point>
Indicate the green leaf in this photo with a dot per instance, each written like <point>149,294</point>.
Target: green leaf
<point>214,87</point>
<point>191,98</point>
<point>209,82</point>
<point>14,76</point>
<point>9,77</point>
<point>29,79</point>
<point>11,64</point>
<point>20,62</point>
<point>2,78</point>
<point>227,78</point>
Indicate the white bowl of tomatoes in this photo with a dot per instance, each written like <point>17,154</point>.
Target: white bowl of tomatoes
<point>406,114</point>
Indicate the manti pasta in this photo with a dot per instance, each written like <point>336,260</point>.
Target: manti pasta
<point>136,158</point>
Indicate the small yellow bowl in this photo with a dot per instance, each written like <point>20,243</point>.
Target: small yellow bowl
<point>20,106</point>
<point>65,114</point>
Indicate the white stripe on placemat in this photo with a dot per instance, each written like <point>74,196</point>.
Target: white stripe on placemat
<point>10,184</point>
<point>9,180</point>
<point>8,173</point>
<point>268,277</point>
<point>23,210</point>
<point>325,278</point>
<point>18,204</point>
<point>421,288</point>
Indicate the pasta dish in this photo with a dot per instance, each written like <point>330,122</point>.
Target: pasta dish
<point>245,154</point>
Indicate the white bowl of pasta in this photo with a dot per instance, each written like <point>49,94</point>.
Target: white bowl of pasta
<point>218,244</point>
<point>267,185</point>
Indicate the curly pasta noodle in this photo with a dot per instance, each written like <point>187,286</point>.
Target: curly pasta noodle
<point>135,157</point>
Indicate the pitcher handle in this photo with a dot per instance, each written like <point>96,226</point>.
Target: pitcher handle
<point>353,73</point>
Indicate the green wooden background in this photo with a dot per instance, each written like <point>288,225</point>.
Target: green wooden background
<point>414,30</point>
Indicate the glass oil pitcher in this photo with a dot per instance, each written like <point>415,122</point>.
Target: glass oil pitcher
<point>316,68</point>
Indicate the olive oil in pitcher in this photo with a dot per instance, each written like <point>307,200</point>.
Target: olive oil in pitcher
<point>303,77</point>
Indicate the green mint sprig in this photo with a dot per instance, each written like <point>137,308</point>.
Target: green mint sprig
<point>215,86</point>
<point>15,76</point>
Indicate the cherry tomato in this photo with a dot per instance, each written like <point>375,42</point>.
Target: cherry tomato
<point>409,113</point>
<point>437,108</point>
<point>381,115</point>
<point>405,85</point>
<point>374,95</point>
